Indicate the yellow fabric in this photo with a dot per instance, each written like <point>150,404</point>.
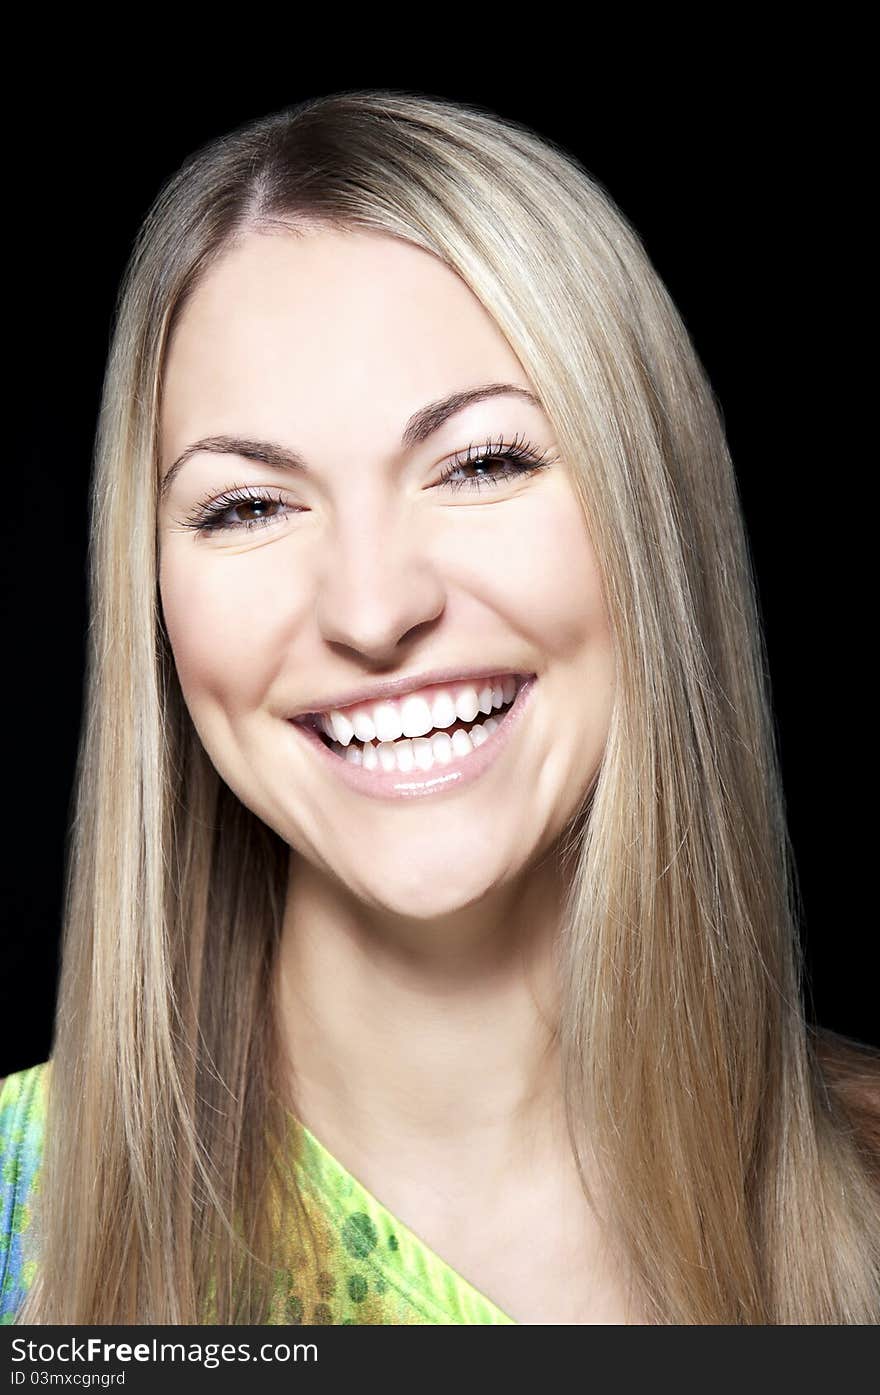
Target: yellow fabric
<point>365,1267</point>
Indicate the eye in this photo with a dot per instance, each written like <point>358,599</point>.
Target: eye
<point>211,515</point>
<point>498,462</point>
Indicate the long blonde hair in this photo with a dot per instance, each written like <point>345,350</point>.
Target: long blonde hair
<point>734,1183</point>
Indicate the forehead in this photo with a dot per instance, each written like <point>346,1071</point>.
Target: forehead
<point>286,326</point>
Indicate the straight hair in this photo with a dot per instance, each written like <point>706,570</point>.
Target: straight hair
<point>734,1180</point>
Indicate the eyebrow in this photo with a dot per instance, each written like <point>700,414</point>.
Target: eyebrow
<point>420,426</point>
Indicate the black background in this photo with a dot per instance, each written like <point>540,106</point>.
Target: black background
<point>737,186</point>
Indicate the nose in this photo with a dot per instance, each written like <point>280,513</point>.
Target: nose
<point>378,583</point>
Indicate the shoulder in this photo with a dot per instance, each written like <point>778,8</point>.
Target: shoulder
<point>23,1099</point>
<point>22,1093</point>
<point>850,1072</point>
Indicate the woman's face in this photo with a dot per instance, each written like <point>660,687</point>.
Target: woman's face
<point>361,566</point>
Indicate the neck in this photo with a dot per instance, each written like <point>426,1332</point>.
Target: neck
<point>427,1038</point>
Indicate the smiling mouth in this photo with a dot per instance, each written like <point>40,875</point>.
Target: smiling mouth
<point>442,760</point>
<point>357,738</point>
<point>439,746</point>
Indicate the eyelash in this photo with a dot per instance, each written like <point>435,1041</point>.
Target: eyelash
<point>520,459</point>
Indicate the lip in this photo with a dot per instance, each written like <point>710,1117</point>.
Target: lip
<point>419,784</point>
<point>400,687</point>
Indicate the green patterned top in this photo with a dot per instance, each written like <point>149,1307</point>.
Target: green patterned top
<point>365,1267</point>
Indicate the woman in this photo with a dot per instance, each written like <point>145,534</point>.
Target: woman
<point>375,1007</point>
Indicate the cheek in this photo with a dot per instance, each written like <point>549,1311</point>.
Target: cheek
<point>535,556</point>
<point>220,629</point>
<point>567,583</point>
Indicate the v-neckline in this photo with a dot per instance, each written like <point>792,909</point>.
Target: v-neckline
<point>405,1259</point>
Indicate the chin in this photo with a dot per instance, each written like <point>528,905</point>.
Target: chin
<point>426,895</point>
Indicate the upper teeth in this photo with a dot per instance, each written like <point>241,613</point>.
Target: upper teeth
<point>419,712</point>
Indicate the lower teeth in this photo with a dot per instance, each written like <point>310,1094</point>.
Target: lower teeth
<point>419,752</point>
